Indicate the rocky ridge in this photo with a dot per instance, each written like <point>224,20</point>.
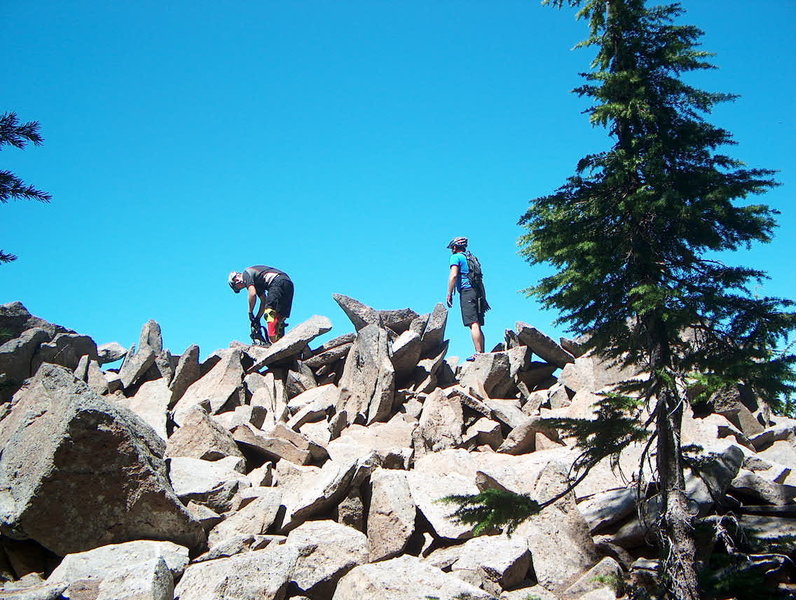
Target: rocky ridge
<point>315,472</point>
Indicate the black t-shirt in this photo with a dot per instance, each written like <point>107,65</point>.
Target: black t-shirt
<point>261,277</point>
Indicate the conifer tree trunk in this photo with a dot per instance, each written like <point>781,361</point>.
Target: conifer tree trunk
<point>676,528</point>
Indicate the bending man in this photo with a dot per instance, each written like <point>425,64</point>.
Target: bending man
<point>275,291</point>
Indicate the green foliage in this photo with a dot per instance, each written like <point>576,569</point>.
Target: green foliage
<point>492,509</point>
<point>612,429</point>
<point>612,581</point>
<point>18,135</point>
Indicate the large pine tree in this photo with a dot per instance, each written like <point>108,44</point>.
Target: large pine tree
<point>638,239</point>
<point>14,133</point>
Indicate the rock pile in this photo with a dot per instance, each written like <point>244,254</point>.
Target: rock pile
<point>316,473</point>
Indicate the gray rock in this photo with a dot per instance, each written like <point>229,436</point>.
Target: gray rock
<point>135,366</point>
<point>753,486</point>
<point>441,423</point>
<point>294,341</point>
<point>558,537</point>
<point>15,318</point>
<point>145,581</point>
<point>404,578</point>
<point>150,403</point>
<point>489,374</point>
<point>201,437</point>
<point>595,579</point>
<point>65,349</point>
<point>716,471</point>
<point>279,442</point>
<point>262,574</point>
<point>221,387</point>
<point>151,337</point>
<point>494,561</point>
<point>434,331</point>
<point>324,490</point>
<point>523,437</point>
<point>77,472</point>
<point>213,484</point>
<point>391,517</point>
<point>368,382</point>
<point>110,352</point>
<point>605,509</point>
<point>405,354</point>
<point>253,519</point>
<point>16,356</point>
<point>327,551</point>
<point>360,314</point>
<point>98,562</point>
<point>186,373</point>
<point>543,345</point>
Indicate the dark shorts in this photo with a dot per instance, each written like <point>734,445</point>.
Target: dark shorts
<point>280,295</point>
<point>471,312</point>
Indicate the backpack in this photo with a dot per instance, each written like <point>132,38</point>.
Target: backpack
<point>476,276</point>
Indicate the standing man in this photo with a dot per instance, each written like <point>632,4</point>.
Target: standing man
<point>472,296</point>
<point>275,291</point>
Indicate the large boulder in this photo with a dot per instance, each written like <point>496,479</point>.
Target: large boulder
<point>392,514</point>
<point>15,318</point>
<point>77,472</point>
<point>543,345</point>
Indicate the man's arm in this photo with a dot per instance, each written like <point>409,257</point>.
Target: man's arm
<point>253,301</point>
<point>452,283</point>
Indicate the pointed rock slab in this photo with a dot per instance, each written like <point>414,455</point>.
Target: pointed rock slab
<point>77,472</point>
<point>558,537</point>
<point>542,345</point>
<point>434,331</point>
<point>405,354</point>
<point>391,518</point>
<point>368,383</point>
<point>360,314</point>
<point>151,403</point>
<point>441,423</point>
<point>262,574</point>
<point>135,366</point>
<point>15,359</point>
<point>201,437</point>
<point>327,551</point>
<point>404,578</point>
<point>186,373</point>
<point>223,385</point>
<point>151,336</point>
<point>294,341</point>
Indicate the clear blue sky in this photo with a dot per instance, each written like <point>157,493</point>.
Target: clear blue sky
<point>344,141</point>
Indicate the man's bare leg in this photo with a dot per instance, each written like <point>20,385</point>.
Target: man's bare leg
<point>478,336</point>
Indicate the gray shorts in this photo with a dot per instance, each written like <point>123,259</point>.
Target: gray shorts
<point>471,310</point>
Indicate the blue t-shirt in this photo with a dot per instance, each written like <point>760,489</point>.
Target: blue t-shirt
<point>463,280</point>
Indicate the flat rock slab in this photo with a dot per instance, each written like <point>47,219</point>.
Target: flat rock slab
<point>77,472</point>
<point>262,574</point>
<point>392,513</point>
<point>294,341</point>
<point>404,578</point>
<point>543,345</point>
<point>99,562</point>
